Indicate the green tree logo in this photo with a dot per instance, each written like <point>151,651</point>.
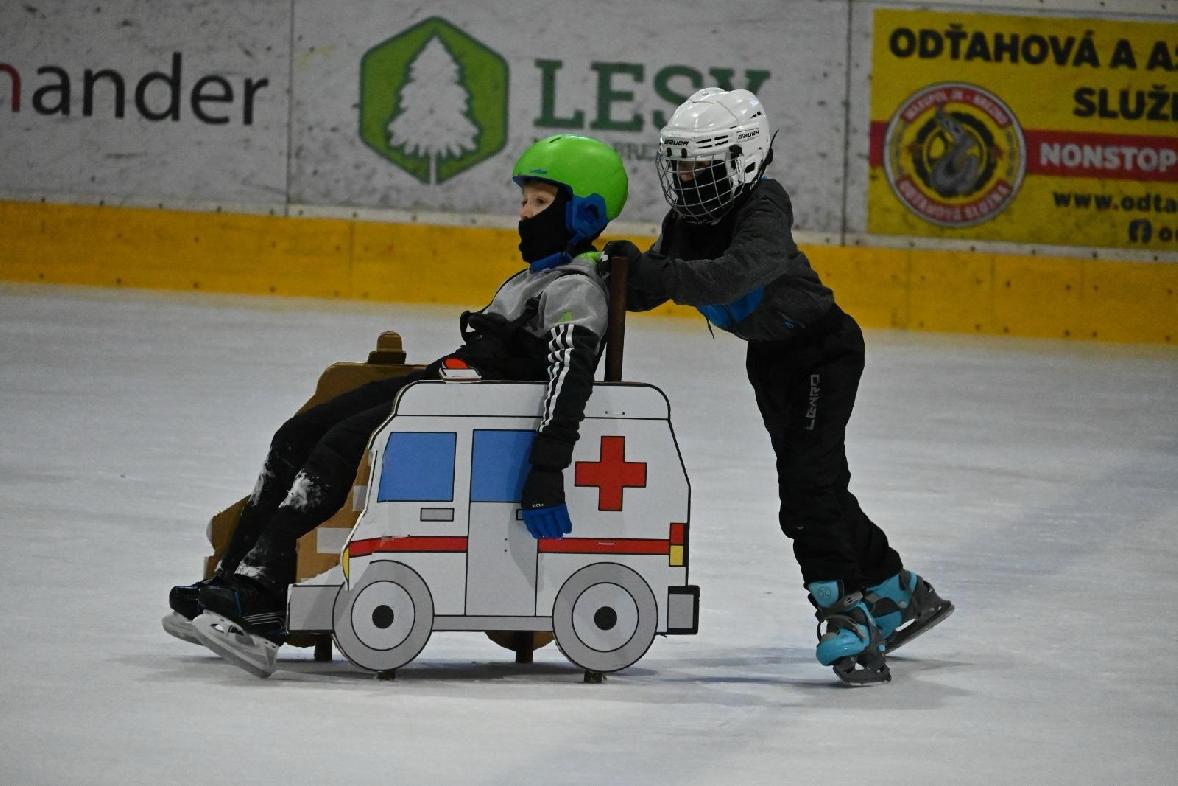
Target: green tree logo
<point>433,101</point>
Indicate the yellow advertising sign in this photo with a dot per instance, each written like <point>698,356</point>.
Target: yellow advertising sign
<point>1026,129</point>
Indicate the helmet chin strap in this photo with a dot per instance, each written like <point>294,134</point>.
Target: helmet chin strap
<point>768,158</point>
<point>584,217</point>
<point>552,260</point>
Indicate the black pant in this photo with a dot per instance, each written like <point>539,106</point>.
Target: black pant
<point>805,388</point>
<point>309,470</point>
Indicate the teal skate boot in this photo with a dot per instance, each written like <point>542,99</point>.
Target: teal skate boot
<point>852,644</point>
<point>905,606</point>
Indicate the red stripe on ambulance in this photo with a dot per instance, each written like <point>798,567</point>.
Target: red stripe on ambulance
<point>362,548</point>
<point>442,544</point>
<point>604,546</point>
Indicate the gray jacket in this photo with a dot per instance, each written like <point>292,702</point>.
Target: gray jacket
<point>547,326</point>
<point>569,294</point>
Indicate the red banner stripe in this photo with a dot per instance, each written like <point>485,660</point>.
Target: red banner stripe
<point>1102,156</point>
<point>1080,154</point>
<point>604,546</point>
<point>875,150</point>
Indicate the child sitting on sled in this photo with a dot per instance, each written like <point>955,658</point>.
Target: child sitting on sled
<point>546,323</point>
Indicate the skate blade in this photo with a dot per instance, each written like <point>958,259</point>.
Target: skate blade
<point>255,654</point>
<point>917,627</point>
<point>176,624</point>
<point>845,669</point>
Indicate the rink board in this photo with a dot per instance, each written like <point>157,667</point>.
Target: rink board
<point>921,289</point>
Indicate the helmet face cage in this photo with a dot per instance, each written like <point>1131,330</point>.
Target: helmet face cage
<point>699,190</point>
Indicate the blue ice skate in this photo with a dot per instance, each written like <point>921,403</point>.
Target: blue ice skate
<point>905,606</point>
<point>852,643</point>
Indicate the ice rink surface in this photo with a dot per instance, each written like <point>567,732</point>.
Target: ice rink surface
<point>1032,481</point>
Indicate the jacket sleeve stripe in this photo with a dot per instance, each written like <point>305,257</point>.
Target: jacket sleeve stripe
<point>560,348</point>
<point>572,359</point>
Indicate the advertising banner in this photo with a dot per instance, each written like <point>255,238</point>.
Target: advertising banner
<point>428,107</point>
<point>183,102</point>
<point>1028,129</point>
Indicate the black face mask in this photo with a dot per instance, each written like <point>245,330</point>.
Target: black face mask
<point>708,195</point>
<point>545,233</point>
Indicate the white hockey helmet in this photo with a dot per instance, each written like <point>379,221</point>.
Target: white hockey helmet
<point>714,148</point>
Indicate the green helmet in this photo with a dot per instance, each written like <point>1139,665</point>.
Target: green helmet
<point>591,170</point>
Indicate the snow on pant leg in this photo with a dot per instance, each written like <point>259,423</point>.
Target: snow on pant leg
<point>291,448</point>
<point>806,389</point>
<point>319,489</point>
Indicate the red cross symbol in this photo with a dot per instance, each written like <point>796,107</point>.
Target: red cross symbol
<point>611,474</point>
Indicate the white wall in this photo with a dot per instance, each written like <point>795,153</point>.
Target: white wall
<point>810,61</point>
<point>55,145</point>
<point>332,165</point>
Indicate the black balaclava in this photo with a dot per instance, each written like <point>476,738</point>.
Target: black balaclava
<point>547,232</point>
<point>708,195</point>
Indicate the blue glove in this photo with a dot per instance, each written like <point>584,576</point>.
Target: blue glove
<point>544,509</point>
<point>550,522</point>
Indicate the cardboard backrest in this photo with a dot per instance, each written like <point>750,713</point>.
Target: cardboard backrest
<point>387,360</point>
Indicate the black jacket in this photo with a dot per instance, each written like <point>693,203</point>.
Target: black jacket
<point>745,274</point>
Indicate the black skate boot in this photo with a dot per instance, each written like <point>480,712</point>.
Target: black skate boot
<point>185,608</point>
<point>185,598</point>
<point>244,621</point>
<point>905,606</point>
<point>852,643</point>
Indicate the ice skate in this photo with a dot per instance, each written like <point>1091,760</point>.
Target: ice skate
<point>254,653</point>
<point>185,608</point>
<point>243,623</point>
<point>176,624</point>
<point>852,644</point>
<point>905,606</point>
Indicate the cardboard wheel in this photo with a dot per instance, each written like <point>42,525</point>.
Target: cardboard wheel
<point>604,617</point>
<point>385,619</point>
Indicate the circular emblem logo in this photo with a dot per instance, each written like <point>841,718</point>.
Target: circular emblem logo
<point>954,154</point>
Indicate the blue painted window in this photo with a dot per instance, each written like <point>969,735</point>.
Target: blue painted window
<point>499,465</point>
<point>418,467</point>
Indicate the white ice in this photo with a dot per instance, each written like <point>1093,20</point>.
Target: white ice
<point>1032,481</point>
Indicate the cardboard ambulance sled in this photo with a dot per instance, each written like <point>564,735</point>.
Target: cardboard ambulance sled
<point>517,625</point>
<point>440,545</point>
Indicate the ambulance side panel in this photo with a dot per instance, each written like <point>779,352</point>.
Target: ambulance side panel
<point>420,480</point>
<point>444,575</point>
<point>625,488</point>
<point>626,480</point>
<point>555,570</point>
